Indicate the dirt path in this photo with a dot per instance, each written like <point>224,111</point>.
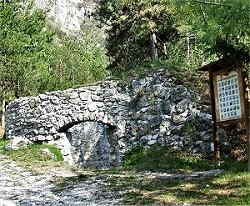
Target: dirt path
<point>19,186</point>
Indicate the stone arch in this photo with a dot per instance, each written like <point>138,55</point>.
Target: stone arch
<point>93,144</point>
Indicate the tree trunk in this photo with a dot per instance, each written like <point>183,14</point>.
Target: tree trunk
<point>165,49</point>
<point>154,46</point>
<point>188,48</point>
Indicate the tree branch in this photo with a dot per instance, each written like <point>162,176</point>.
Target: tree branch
<point>203,15</point>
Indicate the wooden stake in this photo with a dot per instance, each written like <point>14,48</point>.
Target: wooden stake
<point>248,136</point>
<point>3,115</point>
<point>247,101</point>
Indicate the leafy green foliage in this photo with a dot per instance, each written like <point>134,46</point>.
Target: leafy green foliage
<point>33,60</point>
<point>131,24</point>
<point>224,26</point>
<point>22,43</point>
<point>72,64</point>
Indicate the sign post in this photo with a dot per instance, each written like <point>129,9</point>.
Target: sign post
<point>247,94</point>
<point>229,98</point>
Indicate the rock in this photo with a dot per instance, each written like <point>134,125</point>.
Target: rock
<point>92,107</point>
<point>178,119</point>
<point>7,202</point>
<point>90,145</point>
<point>46,152</point>
<point>17,143</point>
<point>63,144</point>
<point>70,16</point>
<point>84,96</point>
<point>151,142</point>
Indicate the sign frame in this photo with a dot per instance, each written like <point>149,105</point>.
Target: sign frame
<point>226,73</point>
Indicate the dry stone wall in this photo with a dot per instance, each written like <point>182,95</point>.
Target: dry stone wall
<point>61,117</point>
<point>94,126</point>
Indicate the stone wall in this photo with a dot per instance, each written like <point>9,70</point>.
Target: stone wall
<point>94,126</point>
<point>168,113</point>
<point>61,117</point>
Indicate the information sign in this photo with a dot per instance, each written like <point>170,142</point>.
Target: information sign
<point>228,97</point>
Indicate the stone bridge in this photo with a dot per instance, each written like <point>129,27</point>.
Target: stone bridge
<point>94,126</point>
<point>93,117</point>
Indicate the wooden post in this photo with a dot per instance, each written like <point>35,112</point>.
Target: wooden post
<point>247,119</point>
<point>215,135</point>
<point>248,137</point>
<point>3,116</point>
<point>154,46</point>
<point>246,90</point>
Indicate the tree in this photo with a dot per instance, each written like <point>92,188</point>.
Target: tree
<point>222,25</point>
<point>131,27</point>
<point>23,42</point>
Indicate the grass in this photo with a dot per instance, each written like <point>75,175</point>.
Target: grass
<point>33,156</point>
<point>232,187</point>
<point>164,159</point>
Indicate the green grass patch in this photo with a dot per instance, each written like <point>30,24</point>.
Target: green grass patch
<point>33,155</point>
<point>159,158</point>
<point>3,143</point>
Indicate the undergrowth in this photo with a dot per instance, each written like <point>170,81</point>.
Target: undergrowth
<point>159,158</point>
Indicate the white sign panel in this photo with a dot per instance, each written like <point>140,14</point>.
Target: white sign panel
<point>229,97</point>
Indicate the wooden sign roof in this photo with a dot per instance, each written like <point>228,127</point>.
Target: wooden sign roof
<point>224,63</point>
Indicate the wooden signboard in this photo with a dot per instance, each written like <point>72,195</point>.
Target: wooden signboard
<point>229,99</point>
<point>229,96</point>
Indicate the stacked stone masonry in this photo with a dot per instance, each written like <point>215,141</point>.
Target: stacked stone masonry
<point>94,126</point>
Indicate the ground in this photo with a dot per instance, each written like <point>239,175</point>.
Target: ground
<point>20,186</point>
<point>62,185</point>
<point>36,175</point>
